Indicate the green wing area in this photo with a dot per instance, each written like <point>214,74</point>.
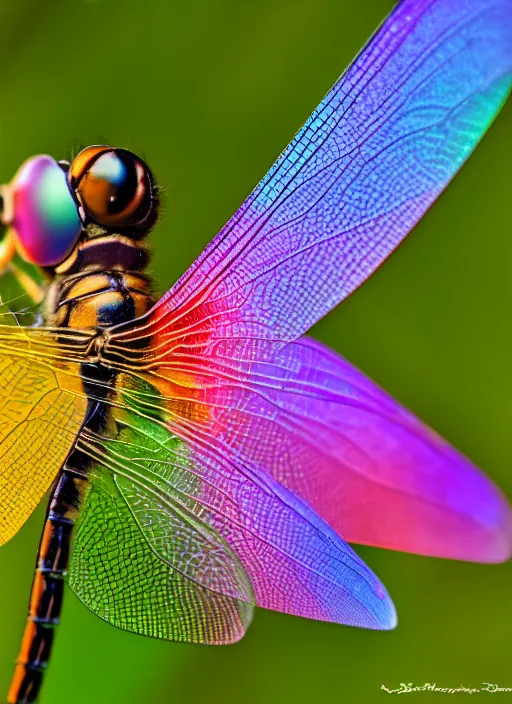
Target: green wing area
<point>143,558</point>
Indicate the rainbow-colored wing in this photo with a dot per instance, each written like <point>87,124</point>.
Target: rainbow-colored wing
<point>144,559</point>
<point>42,409</point>
<point>176,538</point>
<point>322,429</point>
<point>365,167</point>
<point>381,146</point>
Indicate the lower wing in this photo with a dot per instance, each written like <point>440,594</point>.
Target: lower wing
<point>178,537</point>
<point>315,424</point>
<point>170,510</point>
<point>118,575</point>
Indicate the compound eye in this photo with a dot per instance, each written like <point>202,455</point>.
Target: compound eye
<point>113,186</point>
<point>45,219</point>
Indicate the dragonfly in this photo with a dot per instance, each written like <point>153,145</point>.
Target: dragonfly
<point>203,455</point>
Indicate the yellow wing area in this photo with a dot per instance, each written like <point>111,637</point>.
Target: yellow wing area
<point>42,408</point>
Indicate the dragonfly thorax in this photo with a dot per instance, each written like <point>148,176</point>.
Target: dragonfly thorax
<point>102,283</point>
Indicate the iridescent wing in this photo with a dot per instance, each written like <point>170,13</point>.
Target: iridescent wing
<point>41,412</point>
<point>176,538</point>
<point>142,560</point>
<point>122,576</point>
<point>115,572</point>
<point>184,526</point>
<point>322,429</point>
<point>365,167</point>
<point>379,149</point>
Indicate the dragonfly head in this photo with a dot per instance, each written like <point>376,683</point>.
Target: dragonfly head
<point>48,205</point>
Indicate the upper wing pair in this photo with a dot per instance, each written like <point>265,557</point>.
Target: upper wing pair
<point>221,422</point>
<point>368,163</point>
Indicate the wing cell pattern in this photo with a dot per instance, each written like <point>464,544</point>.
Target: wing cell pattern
<point>371,159</point>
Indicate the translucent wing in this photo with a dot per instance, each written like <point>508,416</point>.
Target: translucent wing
<point>372,158</point>
<point>207,524</point>
<point>365,167</point>
<point>42,408</point>
<point>118,575</point>
<point>318,426</point>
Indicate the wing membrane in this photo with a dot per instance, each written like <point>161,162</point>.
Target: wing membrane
<point>372,158</point>
<point>42,408</point>
<point>294,562</point>
<point>116,574</point>
<point>154,475</point>
<point>365,167</point>
<point>319,427</point>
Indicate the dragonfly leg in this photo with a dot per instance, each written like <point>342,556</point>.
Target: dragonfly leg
<point>7,252</point>
<point>31,288</point>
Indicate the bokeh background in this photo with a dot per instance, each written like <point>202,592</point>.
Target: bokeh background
<point>209,92</point>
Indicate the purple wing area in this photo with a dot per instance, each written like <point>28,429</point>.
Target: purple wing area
<point>296,563</point>
<point>268,419</point>
<point>304,416</point>
<point>371,469</point>
<point>362,171</point>
<point>221,525</point>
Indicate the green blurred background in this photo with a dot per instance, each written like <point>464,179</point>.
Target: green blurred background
<point>209,92</point>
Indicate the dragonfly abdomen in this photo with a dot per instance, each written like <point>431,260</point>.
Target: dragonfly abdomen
<point>47,587</point>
